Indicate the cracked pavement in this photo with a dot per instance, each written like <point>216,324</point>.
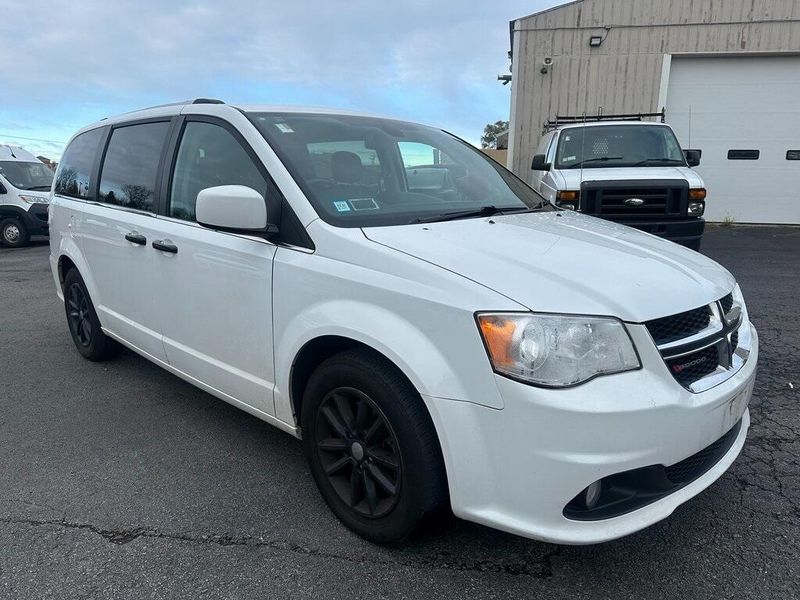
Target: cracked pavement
<point>120,480</point>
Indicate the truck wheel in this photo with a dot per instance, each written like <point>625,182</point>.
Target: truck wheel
<point>84,326</point>
<point>372,447</point>
<point>14,233</point>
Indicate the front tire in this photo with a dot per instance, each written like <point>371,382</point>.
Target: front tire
<point>372,447</point>
<point>14,233</point>
<point>84,326</point>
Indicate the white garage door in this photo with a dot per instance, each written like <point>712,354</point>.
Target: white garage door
<point>744,114</point>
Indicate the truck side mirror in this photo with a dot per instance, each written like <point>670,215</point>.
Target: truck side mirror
<point>539,163</point>
<point>693,157</point>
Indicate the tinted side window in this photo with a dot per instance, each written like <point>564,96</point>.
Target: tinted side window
<point>209,156</point>
<point>76,165</point>
<point>129,170</point>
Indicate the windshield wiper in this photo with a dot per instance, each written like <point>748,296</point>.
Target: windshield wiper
<point>665,161</point>
<point>598,159</point>
<point>483,211</point>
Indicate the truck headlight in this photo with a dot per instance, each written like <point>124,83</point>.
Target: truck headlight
<point>567,199</point>
<point>556,350</point>
<point>696,209</point>
<point>33,199</point>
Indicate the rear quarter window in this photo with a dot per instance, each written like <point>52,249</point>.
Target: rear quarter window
<point>75,169</point>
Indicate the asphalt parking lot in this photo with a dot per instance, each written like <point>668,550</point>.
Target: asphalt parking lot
<point>120,480</point>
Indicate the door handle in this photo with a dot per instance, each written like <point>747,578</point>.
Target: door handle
<point>136,238</point>
<point>165,246</point>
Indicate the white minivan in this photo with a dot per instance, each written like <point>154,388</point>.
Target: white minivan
<point>25,184</point>
<point>436,332</point>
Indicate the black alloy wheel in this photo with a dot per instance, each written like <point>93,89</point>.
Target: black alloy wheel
<point>359,452</point>
<point>84,326</point>
<point>372,447</point>
<point>80,323</point>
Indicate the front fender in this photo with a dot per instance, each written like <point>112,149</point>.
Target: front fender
<point>432,370</point>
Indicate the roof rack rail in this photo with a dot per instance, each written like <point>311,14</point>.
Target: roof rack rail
<point>207,101</point>
<point>560,120</point>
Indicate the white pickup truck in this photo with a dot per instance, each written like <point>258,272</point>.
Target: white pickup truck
<point>623,169</point>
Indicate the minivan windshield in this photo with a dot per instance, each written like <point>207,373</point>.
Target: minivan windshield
<point>601,146</point>
<point>27,175</point>
<point>365,171</point>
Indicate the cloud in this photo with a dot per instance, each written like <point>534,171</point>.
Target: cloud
<point>63,64</point>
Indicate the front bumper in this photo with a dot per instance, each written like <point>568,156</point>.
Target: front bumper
<point>36,219</point>
<point>517,468</point>
<point>686,232</point>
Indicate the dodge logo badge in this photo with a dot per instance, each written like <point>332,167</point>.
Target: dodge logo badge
<point>634,202</point>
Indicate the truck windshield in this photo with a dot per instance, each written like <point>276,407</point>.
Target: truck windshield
<point>364,171</point>
<point>602,146</point>
<point>27,175</point>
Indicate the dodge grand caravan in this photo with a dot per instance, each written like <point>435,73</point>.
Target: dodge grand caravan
<point>436,333</point>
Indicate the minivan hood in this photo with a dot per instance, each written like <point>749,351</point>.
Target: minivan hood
<point>572,178</point>
<point>565,262</point>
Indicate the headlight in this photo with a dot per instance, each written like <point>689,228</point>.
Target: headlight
<point>555,350</point>
<point>567,199</point>
<point>34,199</point>
<point>696,209</point>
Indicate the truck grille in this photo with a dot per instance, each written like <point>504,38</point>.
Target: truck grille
<point>630,199</point>
<point>703,346</point>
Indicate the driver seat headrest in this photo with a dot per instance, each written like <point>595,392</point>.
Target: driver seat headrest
<point>346,167</point>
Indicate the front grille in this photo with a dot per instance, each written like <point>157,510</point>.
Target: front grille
<point>727,303</point>
<point>696,465</point>
<point>633,200</point>
<point>699,343</point>
<point>676,327</point>
<point>688,369</point>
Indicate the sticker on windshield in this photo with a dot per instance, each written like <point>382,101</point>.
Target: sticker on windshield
<point>570,158</point>
<point>341,205</point>
<point>364,204</point>
<point>284,127</point>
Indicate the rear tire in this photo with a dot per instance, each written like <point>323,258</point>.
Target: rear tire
<point>84,326</point>
<point>13,233</point>
<point>372,447</point>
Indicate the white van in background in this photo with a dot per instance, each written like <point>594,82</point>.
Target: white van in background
<point>624,169</point>
<point>24,196</point>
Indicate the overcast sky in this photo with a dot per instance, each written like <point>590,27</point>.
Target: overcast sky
<point>66,64</point>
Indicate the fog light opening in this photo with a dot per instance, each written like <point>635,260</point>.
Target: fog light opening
<point>591,494</point>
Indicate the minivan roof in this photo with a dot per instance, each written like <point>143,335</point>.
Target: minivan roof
<point>176,108</point>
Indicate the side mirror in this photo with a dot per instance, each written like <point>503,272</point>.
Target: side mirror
<point>539,164</point>
<point>233,208</point>
<point>693,157</point>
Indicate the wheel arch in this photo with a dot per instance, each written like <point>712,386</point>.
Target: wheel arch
<point>316,351</point>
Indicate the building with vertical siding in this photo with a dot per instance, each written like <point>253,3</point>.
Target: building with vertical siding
<point>727,72</point>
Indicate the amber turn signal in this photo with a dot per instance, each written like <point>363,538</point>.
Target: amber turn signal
<point>569,195</point>
<point>697,194</point>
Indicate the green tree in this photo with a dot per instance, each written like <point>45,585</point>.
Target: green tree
<point>490,132</point>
